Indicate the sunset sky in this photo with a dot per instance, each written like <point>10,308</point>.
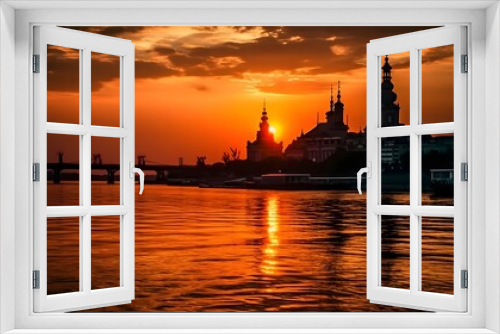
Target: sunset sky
<point>200,90</point>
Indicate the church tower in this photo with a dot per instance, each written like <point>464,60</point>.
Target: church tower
<point>264,145</point>
<point>339,109</point>
<point>390,109</point>
<point>327,138</point>
<point>264,133</point>
<point>335,116</point>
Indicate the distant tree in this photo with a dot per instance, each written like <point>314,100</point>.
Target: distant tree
<point>226,157</point>
<point>200,161</point>
<point>235,153</point>
<point>232,155</point>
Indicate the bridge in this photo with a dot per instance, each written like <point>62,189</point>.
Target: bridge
<point>162,170</point>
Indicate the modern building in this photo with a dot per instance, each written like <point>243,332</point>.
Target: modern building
<point>264,145</point>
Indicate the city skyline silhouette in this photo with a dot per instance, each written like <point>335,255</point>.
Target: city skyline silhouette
<point>199,90</point>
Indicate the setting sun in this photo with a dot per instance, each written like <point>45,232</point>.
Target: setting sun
<point>231,69</point>
<point>250,139</point>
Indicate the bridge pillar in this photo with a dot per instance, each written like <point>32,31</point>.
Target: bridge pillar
<point>57,175</point>
<point>111,176</point>
<point>141,160</point>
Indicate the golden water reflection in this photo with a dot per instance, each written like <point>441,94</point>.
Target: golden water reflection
<point>271,247</point>
<point>236,250</point>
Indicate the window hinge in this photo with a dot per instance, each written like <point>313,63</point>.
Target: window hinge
<point>36,172</point>
<point>465,279</point>
<point>36,63</point>
<point>465,63</point>
<point>36,279</point>
<point>464,172</point>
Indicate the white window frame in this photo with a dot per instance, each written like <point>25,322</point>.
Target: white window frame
<point>413,43</point>
<point>483,314</point>
<point>86,43</point>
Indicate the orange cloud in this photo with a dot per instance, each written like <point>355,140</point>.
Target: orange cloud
<point>199,90</point>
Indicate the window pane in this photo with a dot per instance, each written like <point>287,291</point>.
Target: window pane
<point>105,89</point>
<point>395,171</point>
<point>395,89</point>
<point>63,170</point>
<point>105,171</point>
<point>105,252</point>
<point>395,249</point>
<point>437,169</point>
<point>437,254</point>
<point>63,85</point>
<point>63,255</point>
<point>437,84</point>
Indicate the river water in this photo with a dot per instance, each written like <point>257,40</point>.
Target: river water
<point>235,250</point>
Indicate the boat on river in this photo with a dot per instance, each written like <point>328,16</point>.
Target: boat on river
<point>287,181</point>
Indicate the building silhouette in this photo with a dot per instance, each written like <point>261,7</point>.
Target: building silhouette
<point>390,109</point>
<point>264,145</point>
<point>394,150</point>
<point>327,137</point>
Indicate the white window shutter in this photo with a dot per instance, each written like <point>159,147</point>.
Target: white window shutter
<point>85,298</point>
<point>414,297</point>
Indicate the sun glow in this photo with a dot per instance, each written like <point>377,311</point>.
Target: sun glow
<point>272,129</point>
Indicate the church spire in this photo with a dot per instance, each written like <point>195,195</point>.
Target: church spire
<point>264,133</point>
<point>331,97</point>
<point>339,106</point>
<point>264,117</point>
<point>329,114</point>
<point>338,91</point>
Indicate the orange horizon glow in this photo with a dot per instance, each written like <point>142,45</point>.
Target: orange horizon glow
<point>199,90</point>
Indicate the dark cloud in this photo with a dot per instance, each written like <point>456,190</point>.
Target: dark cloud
<point>297,50</point>
<point>187,61</point>
<point>436,54</point>
<point>290,49</point>
<point>400,64</point>
<point>164,50</point>
<point>244,29</point>
<point>152,70</point>
<point>63,70</point>
<point>268,54</point>
<point>110,31</point>
<point>428,56</point>
<point>206,28</point>
<point>361,34</point>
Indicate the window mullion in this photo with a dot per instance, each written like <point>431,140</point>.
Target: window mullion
<point>80,186</point>
<point>415,173</point>
<point>86,173</point>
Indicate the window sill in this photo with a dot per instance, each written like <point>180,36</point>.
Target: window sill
<point>252,331</point>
